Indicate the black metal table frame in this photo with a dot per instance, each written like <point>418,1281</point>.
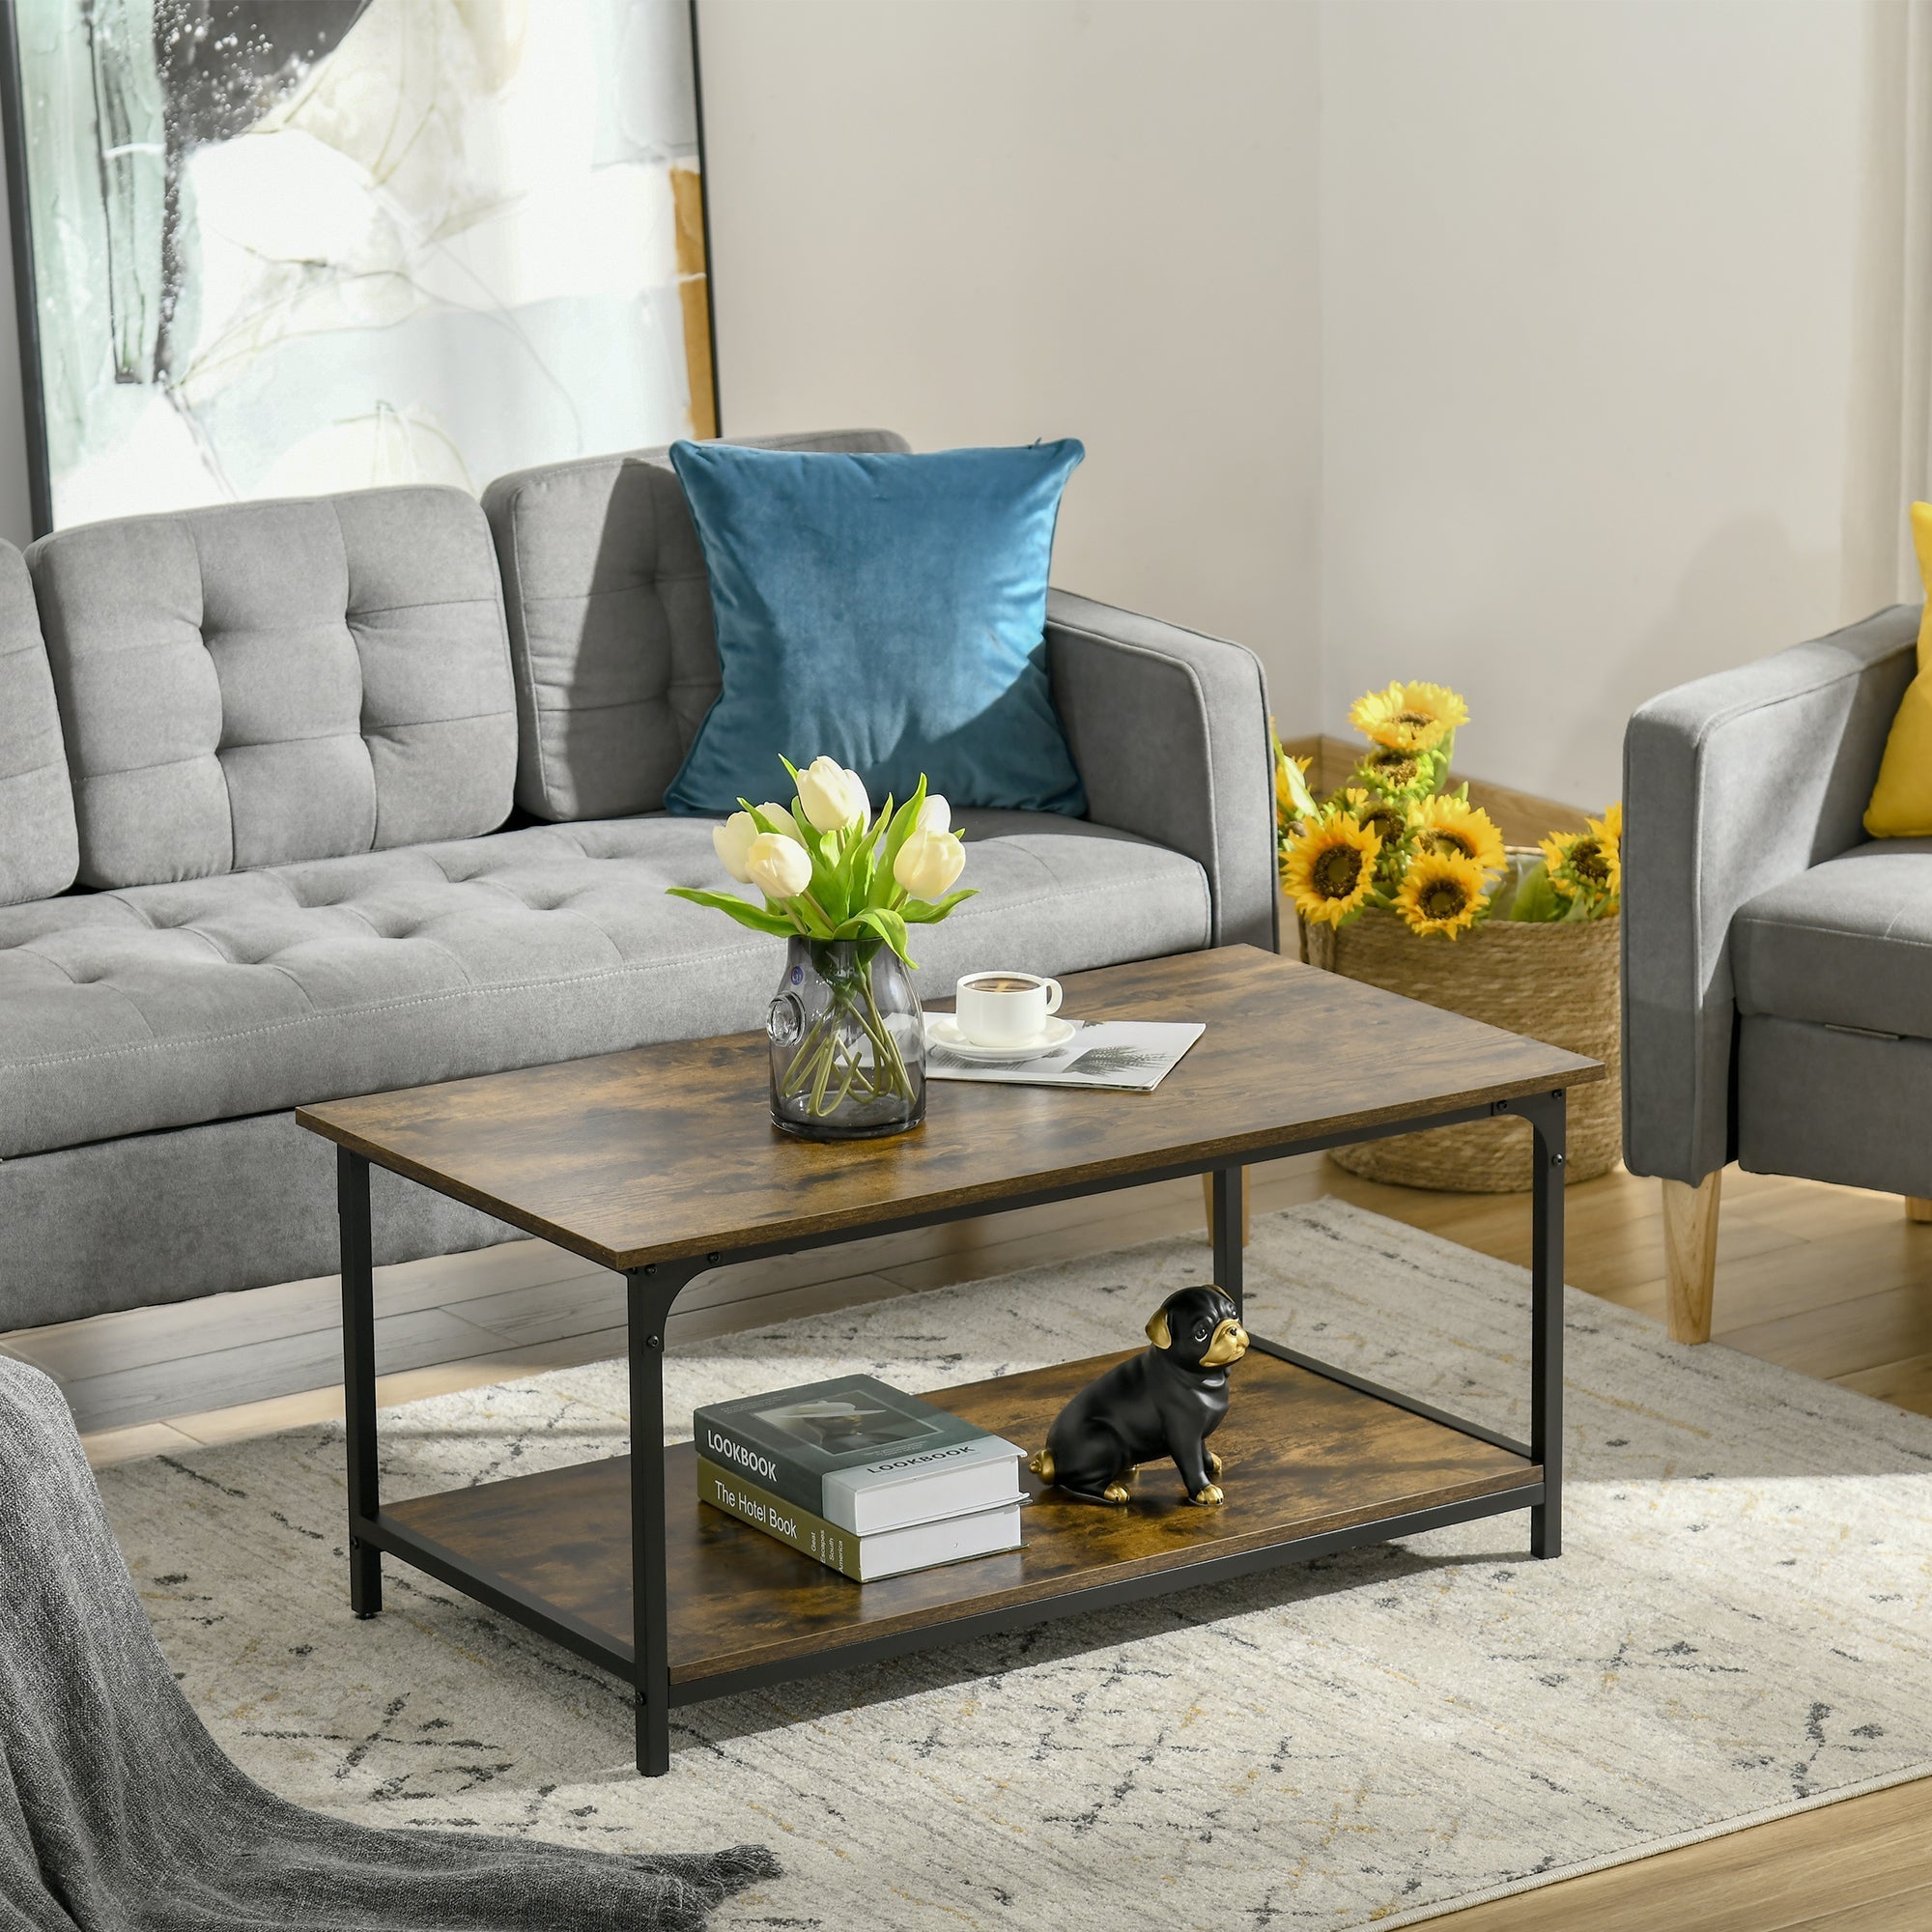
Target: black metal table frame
<point>655,1287</point>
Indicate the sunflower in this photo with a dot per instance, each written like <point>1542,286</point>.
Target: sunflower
<point>1409,716</point>
<point>1612,826</point>
<point>1383,816</point>
<point>1396,773</point>
<point>1329,868</point>
<point>1585,865</point>
<point>1442,891</point>
<point>1450,824</point>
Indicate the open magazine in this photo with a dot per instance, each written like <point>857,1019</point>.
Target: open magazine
<point>1128,1055</point>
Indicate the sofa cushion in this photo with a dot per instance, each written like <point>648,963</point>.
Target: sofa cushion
<point>610,633</point>
<point>260,683</point>
<point>1847,944</point>
<point>37,848</point>
<point>885,610</point>
<point>167,1005</point>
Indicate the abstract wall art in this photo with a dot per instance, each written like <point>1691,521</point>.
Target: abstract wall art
<point>277,247</point>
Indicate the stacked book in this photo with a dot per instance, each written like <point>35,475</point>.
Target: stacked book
<point>868,1480</point>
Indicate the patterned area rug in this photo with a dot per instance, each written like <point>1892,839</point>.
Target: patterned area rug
<point>1741,1627</point>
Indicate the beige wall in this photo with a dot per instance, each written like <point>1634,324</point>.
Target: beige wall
<point>1588,304</point>
<point>1511,342</point>
<point>990,221</point>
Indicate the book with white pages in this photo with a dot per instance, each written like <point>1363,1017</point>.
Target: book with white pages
<point>1124,1056</point>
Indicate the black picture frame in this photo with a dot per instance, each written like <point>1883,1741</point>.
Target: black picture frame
<point>26,294</point>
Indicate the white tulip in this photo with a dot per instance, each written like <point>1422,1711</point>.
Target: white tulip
<point>831,796</point>
<point>731,841</point>
<point>780,867</point>
<point>928,864</point>
<point>863,798</point>
<point>934,816</point>
<point>777,815</point>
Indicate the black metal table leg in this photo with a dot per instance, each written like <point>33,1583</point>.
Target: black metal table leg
<point>1226,1205</point>
<point>359,1376</point>
<point>651,1292</point>
<point>1548,1114</point>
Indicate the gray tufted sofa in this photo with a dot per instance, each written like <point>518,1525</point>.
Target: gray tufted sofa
<point>314,798</point>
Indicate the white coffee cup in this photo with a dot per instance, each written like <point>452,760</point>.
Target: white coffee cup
<point>1005,1008</point>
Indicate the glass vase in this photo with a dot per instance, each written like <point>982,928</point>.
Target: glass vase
<point>848,1042</point>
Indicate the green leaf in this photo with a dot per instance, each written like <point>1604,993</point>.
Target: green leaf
<point>890,928</point>
<point>1537,901</point>
<point>760,919</point>
<point>831,880</point>
<point>809,836</point>
<point>814,918</point>
<point>863,859</point>
<point>930,912</point>
<point>874,832</point>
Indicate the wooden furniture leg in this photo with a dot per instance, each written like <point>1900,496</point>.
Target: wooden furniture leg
<point>1690,1254</point>
<point>1918,1207</point>
<point>1208,1201</point>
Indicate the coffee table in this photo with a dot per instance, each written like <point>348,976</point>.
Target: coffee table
<point>661,1163</point>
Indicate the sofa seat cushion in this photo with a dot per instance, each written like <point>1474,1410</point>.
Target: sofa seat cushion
<point>164,1006</point>
<point>1847,944</point>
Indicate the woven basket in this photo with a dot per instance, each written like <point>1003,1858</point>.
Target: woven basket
<point>1556,983</point>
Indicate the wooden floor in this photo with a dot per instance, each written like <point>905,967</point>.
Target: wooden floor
<point>1825,1280</point>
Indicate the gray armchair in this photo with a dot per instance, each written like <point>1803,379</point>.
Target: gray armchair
<point>1777,963</point>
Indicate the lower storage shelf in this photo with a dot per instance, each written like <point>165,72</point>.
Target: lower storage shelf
<point>1305,1457</point>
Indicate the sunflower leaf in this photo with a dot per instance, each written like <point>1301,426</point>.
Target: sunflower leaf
<point>1291,778</point>
<point>1537,901</point>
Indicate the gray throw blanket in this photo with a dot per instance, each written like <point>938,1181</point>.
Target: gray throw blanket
<point>119,1813</point>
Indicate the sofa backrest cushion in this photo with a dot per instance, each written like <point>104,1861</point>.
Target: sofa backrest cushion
<point>38,849</point>
<point>261,683</point>
<point>610,636</point>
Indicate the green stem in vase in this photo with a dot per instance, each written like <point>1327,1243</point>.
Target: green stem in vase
<point>890,1060</point>
<point>798,1075</point>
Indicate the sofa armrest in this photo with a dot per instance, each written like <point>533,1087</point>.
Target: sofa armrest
<point>1170,731</point>
<point>1731,784</point>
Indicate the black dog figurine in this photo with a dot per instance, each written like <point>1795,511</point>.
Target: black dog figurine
<point>1165,1402</point>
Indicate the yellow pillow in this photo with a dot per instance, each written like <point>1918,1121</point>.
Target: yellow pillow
<point>1901,802</point>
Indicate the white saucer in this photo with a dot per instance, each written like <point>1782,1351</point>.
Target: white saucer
<point>943,1030</point>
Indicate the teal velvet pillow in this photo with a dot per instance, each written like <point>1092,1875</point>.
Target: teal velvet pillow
<point>885,610</point>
